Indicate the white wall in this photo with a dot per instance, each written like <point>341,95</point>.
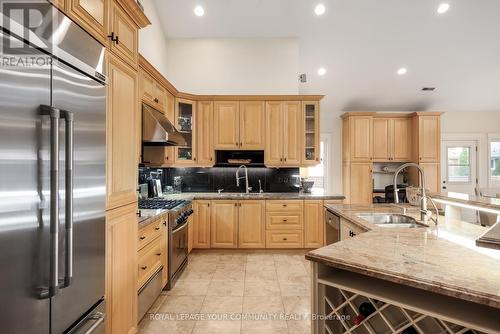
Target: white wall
<point>233,66</point>
<point>152,41</point>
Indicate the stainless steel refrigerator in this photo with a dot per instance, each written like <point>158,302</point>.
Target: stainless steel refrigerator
<point>52,173</point>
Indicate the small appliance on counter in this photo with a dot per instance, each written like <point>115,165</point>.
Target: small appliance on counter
<point>306,185</point>
<point>177,185</point>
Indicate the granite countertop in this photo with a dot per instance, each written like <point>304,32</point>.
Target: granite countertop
<point>442,259</point>
<point>250,196</point>
<point>491,237</point>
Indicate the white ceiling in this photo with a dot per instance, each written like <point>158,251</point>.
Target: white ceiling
<point>362,43</point>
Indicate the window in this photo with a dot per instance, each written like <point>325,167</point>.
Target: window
<point>495,161</point>
<point>459,168</point>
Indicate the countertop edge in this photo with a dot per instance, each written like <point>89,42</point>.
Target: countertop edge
<point>464,294</point>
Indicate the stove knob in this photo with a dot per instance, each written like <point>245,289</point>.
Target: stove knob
<point>190,212</point>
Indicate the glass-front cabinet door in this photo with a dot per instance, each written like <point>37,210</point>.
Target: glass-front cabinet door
<point>310,154</point>
<point>185,124</point>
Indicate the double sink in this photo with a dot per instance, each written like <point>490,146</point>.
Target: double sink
<point>391,220</point>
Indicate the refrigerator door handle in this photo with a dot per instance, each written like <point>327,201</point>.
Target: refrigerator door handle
<point>68,177</point>
<point>54,114</point>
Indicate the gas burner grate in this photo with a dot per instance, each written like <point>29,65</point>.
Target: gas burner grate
<point>155,204</point>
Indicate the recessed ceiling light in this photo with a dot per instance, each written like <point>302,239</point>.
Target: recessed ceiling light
<point>443,8</point>
<point>199,11</point>
<point>319,9</point>
<point>321,71</point>
<point>402,71</point>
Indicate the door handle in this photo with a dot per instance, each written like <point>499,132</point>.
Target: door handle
<point>54,115</point>
<point>68,179</point>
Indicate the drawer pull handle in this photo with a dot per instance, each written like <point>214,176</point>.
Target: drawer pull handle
<point>284,205</point>
<point>157,228</point>
<point>284,239</point>
<point>285,220</point>
<point>144,267</point>
<point>158,254</point>
<point>142,238</point>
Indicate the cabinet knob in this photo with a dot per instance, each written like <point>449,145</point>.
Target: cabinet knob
<point>285,159</point>
<point>144,267</point>
<point>158,254</point>
<point>142,238</point>
<point>284,220</point>
<point>284,205</point>
<point>284,239</point>
<point>157,228</point>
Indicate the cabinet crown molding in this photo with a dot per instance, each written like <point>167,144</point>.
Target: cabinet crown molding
<point>135,12</point>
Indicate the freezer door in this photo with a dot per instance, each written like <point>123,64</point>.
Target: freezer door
<point>24,192</point>
<point>85,98</point>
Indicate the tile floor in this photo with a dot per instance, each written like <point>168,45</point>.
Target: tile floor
<point>219,289</point>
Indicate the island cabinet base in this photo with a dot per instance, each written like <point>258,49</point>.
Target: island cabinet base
<point>392,308</point>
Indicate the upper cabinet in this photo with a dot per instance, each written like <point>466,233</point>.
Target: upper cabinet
<point>239,125</point>
<point>428,146</point>
<point>185,115</point>
<point>392,139</point>
<point>204,129</point>
<point>357,139</point>
<point>226,125</point>
<point>92,15</point>
<point>123,35</point>
<point>252,125</point>
<point>310,153</point>
<point>122,134</point>
<point>283,133</point>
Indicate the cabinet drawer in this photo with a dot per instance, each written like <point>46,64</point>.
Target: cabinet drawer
<point>285,206</point>
<point>285,239</point>
<point>149,260</point>
<point>284,221</point>
<point>149,233</point>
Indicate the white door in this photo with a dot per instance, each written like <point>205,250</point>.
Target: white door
<point>459,170</point>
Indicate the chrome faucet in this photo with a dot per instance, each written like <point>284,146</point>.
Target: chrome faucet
<point>247,188</point>
<point>425,214</point>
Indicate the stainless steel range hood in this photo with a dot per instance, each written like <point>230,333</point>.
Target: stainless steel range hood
<point>157,129</point>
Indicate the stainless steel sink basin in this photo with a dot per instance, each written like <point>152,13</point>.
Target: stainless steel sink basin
<point>390,220</point>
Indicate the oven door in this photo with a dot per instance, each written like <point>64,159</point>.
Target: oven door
<point>178,247</point>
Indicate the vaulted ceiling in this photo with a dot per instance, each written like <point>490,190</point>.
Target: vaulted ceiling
<point>362,43</point>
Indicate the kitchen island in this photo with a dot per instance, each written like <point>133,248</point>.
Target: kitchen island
<point>431,279</point>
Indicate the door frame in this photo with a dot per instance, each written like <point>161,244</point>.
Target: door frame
<point>482,161</point>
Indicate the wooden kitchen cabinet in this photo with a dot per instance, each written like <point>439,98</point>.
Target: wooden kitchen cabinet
<point>358,183</point>
<point>283,133</point>
<point>357,138</point>
<point>121,135</point>
<point>382,139</point>
<point>204,128</point>
<point>274,134</point>
<point>251,224</point>
<point>201,224</point>
<point>348,229</point>
<point>314,224</point>
<point>61,4</point>
<point>392,139</point>
<point>121,270</point>
<point>284,239</point>
<point>429,137</point>
<point>190,234</point>
<point>292,143</point>
<point>185,116</point>
<point>432,171</point>
<point>226,125</point>
<point>123,35</point>
<point>310,142</point>
<point>252,125</point>
<point>224,224</point>
<point>164,250</point>
<point>401,139</point>
<point>92,15</point>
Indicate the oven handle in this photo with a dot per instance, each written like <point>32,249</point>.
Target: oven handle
<point>180,228</point>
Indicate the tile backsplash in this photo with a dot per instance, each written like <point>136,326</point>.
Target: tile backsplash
<point>211,179</point>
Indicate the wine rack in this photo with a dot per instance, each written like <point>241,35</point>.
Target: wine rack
<point>386,318</point>
<point>347,302</point>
